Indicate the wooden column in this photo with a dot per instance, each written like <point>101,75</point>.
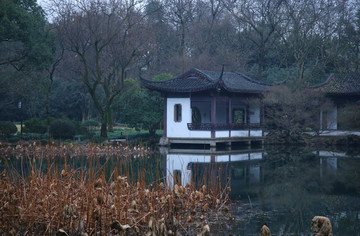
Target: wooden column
<point>321,119</point>
<point>247,117</point>
<point>165,116</point>
<point>229,114</point>
<point>213,115</point>
<point>262,113</point>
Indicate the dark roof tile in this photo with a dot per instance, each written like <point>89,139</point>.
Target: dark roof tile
<point>200,80</point>
<point>342,84</point>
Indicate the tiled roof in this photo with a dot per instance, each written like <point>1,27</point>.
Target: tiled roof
<point>345,84</point>
<point>199,80</point>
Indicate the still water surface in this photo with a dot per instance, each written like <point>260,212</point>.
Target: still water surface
<point>282,187</point>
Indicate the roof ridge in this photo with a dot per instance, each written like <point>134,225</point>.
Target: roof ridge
<point>153,81</point>
<point>195,71</point>
<point>332,75</point>
<point>206,75</point>
<point>252,80</point>
<point>205,79</point>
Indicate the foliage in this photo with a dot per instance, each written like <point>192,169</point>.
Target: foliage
<point>349,117</point>
<point>271,40</point>
<point>288,113</point>
<point>108,45</point>
<point>34,125</point>
<point>35,136</point>
<point>26,48</point>
<point>162,76</point>
<point>23,33</point>
<point>90,126</point>
<point>62,129</point>
<point>7,128</point>
<point>79,127</point>
<point>141,108</point>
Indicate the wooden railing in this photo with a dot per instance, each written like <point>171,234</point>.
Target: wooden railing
<point>210,126</point>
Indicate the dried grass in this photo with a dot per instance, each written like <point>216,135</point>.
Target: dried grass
<point>82,202</point>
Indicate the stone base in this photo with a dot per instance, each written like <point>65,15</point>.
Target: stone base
<point>164,141</point>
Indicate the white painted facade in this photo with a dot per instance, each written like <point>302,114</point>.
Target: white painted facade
<point>332,118</point>
<point>254,114</point>
<point>179,129</point>
<point>328,121</point>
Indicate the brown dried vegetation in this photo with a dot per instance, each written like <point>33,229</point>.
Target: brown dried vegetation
<point>78,202</point>
<point>265,231</point>
<point>321,226</point>
<point>25,149</point>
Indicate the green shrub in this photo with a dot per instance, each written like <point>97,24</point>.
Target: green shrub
<point>34,136</point>
<point>88,128</point>
<point>35,125</point>
<point>13,139</point>
<point>7,128</point>
<point>62,129</point>
<point>91,124</point>
<point>79,128</point>
<point>98,139</point>
<point>349,117</point>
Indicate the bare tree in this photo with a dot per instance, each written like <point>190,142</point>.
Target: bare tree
<point>50,71</point>
<point>289,113</point>
<point>308,36</point>
<point>181,14</point>
<point>259,22</point>
<point>345,51</point>
<point>107,39</point>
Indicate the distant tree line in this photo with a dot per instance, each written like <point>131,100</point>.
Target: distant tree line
<point>80,59</point>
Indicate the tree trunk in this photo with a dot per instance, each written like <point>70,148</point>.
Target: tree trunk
<point>103,132</point>
<point>261,62</point>
<point>47,113</point>
<point>110,120</point>
<point>152,130</point>
<point>47,106</point>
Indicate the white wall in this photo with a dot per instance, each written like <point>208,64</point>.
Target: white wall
<point>239,133</point>
<point>256,133</point>
<point>332,118</point>
<point>254,114</point>
<point>222,134</point>
<point>180,129</point>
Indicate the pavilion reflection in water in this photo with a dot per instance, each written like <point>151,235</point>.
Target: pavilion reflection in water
<point>240,168</point>
<point>246,172</point>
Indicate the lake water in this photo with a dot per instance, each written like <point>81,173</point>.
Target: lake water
<point>282,187</point>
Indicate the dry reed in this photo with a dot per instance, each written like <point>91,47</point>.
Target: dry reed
<point>79,202</point>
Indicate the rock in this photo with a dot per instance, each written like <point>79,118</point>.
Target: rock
<point>164,141</point>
